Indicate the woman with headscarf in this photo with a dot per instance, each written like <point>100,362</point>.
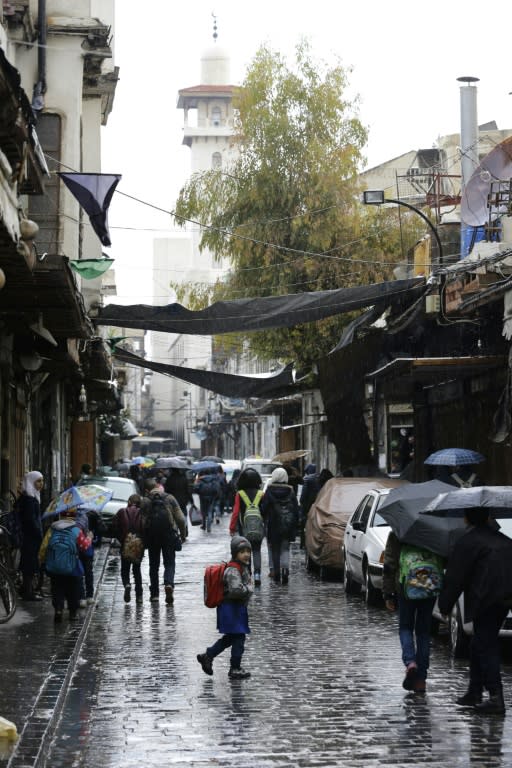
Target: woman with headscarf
<point>280,509</point>
<point>29,510</point>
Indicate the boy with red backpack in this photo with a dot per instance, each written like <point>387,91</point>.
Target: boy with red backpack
<point>232,615</point>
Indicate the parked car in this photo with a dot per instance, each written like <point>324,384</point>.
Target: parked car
<point>364,542</point>
<point>460,631</point>
<point>264,467</point>
<point>122,487</point>
<point>328,516</point>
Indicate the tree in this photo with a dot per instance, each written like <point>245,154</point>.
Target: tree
<point>285,214</point>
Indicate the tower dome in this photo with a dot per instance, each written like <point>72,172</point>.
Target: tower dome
<point>215,66</point>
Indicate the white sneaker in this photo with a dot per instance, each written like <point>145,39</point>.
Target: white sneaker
<point>90,600</point>
<point>83,603</point>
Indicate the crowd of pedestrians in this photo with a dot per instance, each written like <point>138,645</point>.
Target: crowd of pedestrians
<point>155,522</point>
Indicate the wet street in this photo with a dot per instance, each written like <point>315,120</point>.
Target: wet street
<point>325,687</point>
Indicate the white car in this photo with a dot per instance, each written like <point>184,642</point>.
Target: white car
<point>460,631</point>
<point>364,543</point>
<point>122,488</point>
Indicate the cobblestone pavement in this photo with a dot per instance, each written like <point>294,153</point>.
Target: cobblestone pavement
<point>38,658</point>
<point>325,687</point>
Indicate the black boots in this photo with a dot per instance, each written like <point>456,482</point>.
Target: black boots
<point>494,705</point>
<point>471,698</point>
<point>284,576</point>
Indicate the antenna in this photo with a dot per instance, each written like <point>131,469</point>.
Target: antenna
<point>495,166</point>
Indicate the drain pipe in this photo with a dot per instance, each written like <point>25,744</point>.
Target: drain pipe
<point>40,86</point>
<point>468,147</point>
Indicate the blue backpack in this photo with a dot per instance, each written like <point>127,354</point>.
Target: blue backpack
<point>62,552</point>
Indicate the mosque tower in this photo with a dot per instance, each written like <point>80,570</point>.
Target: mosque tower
<point>207,130</point>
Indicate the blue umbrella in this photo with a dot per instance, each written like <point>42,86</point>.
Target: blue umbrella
<point>200,466</point>
<point>454,457</point>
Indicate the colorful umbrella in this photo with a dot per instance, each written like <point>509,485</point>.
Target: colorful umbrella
<point>92,497</point>
<point>142,461</point>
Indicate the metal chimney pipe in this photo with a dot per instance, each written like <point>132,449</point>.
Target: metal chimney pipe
<point>468,146</point>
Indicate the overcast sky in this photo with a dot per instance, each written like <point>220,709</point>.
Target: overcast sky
<point>405,58</point>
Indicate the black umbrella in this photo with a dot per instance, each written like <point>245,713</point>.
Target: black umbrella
<point>454,503</point>
<point>404,508</point>
<point>171,462</point>
<point>212,458</point>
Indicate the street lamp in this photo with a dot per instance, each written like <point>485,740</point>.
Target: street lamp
<point>376,197</point>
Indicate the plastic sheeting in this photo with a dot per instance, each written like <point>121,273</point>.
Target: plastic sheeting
<point>257,314</point>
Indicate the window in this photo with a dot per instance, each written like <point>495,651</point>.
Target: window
<point>216,160</point>
<point>366,511</point>
<point>216,115</point>
<point>44,209</point>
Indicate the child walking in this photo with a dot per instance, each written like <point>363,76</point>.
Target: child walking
<point>232,615</point>
<point>128,529</point>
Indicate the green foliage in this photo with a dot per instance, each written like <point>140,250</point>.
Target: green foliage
<point>285,214</point>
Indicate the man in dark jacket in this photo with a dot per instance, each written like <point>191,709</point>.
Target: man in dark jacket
<point>308,494</point>
<point>480,567</point>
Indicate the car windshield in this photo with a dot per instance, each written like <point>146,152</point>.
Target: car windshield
<point>378,520</point>
<point>121,490</point>
<point>263,469</point>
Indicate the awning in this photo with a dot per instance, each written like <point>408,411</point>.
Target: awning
<point>257,314</point>
<point>429,367</point>
<point>227,384</point>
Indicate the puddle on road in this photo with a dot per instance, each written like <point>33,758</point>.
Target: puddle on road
<point>20,617</point>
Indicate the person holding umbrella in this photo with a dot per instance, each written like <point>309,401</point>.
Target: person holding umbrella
<point>480,567</point>
<point>456,466</point>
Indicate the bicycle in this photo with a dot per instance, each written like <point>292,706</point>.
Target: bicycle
<point>8,591</point>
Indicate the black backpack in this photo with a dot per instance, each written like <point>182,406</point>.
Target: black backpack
<point>283,518</point>
<point>158,523</point>
<point>160,529</point>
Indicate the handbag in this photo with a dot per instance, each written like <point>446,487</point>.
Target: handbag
<point>195,515</point>
<point>175,539</point>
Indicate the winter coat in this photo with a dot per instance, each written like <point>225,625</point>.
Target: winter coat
<point>177,485</point>
<point>281,492</point>
<point>29,512</point>
<point>232,614</point>
<point>391,574</point>
<point>175,515</point>
<point>82,541</point>
<point>309,492</point>
<point>479,566</point>
<point>126,520</point>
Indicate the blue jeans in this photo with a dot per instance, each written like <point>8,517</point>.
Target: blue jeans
<point>237,643</point>
<point>169,559</point>
<point>414,624</point>
<point>207,510</point>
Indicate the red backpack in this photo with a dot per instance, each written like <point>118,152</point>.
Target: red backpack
<point>214,582</point>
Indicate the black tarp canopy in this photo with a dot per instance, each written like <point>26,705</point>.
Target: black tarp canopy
<point>277,384</point>
<point>257,314</point>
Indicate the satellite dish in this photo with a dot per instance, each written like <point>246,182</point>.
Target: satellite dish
<point>496,166</point>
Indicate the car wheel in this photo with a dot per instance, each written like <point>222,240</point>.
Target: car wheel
<point>459,641</point>
<point>371,594</point>
<point>351,586</point>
